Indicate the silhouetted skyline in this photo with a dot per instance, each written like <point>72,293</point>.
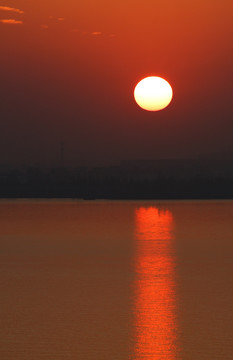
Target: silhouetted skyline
<point>138,179</point>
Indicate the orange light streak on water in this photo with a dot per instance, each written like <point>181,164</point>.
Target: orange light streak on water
<point>154,306</point>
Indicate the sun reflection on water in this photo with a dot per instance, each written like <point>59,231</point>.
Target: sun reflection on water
<point>154,304</point>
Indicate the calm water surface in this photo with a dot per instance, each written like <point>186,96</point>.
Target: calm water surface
<point>116,280</point>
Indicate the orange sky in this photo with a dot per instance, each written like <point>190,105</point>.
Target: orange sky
<point>68,69</point>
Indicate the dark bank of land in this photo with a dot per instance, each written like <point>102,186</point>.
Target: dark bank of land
<point>152,179</point>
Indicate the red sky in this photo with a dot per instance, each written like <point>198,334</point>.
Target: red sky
<point>68,71</point>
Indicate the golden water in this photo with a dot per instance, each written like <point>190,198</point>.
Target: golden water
<point>116,280</point>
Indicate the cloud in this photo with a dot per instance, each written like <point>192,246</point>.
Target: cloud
<point>44,26</point>
<point>11,21</point>
<point>7,8</point>
<point>56,18</point>
<point>96,33</point>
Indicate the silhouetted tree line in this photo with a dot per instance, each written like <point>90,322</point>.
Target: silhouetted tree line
<point>120,182</point>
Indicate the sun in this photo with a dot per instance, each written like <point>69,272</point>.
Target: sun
<point>153,93</point>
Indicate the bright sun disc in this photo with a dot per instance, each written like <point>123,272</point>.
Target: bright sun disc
<point>153,93</point>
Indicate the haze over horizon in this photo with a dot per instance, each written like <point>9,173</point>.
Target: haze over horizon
<point>68,70</point>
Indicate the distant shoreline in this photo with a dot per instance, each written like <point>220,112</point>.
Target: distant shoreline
<point>158,190</point>
<point>112,198</point>
<point>133,180</point>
